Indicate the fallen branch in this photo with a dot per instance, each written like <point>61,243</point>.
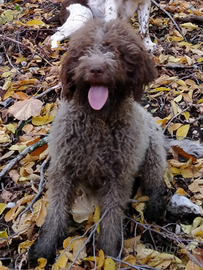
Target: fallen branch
<point>195,66</point>
<point>192,18</point>
<point>169,15</point>
<point>28,150</point>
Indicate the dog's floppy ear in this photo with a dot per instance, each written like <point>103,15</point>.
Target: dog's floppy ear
<point>142,74</point>
<point>140,67</point>
<point>136,61</point>
<point>80,41</point>
<point>67,75</point>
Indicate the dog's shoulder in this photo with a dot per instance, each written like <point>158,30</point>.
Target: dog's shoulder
<point>145,119</point>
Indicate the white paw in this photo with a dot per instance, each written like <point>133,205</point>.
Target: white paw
<point>54,43</point>
<point>55,38</point>
<point>149,45</point>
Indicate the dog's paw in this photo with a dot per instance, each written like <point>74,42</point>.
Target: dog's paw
<point>55,39</point>
<point>157,204</point>
<point>149,45</point>
<point>37,251</point>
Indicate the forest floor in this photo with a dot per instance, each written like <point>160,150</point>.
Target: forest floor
<point>29,98</point>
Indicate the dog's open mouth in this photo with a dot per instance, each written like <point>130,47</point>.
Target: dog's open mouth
<point>98,96</point>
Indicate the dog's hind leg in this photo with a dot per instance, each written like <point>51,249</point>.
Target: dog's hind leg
<point>79,15</point>
<point>152,173</point>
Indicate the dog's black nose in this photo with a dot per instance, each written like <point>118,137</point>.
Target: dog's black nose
<point>96,71</point>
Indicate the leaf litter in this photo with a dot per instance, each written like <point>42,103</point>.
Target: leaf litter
<point>29,96</point>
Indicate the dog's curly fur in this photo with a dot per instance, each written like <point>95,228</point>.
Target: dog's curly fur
<point>102,150</point>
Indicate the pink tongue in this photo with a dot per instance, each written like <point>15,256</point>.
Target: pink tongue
<point>97,96</point>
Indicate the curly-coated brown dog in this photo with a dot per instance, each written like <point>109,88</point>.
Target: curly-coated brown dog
<point>101,136</point>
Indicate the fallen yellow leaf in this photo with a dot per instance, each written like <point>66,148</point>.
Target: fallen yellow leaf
<point>42,262</point>
<point>109,264</point>
<point>61,262</point>
<point>2,207</point>
<point>181,192</point>
<point>3,234</point>
<point>182,132</point>
<point>189,25</point>
<point>101,260</point>
<point>22,247</point>
<point>35,22</point>
<point>96,216</point>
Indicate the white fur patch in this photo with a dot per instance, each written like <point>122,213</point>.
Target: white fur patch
<point>79,15</point>
<point>106,10</point>
<point>143,18</point>
<point>111,10</point>
<point>182,205</point>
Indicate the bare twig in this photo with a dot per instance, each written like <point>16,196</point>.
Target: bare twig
<point>41,184</point>
<point>122,240</point>
<point>174,118</point>
<point>197,119</point>
<point>94,255</point>
<point>48,90</point>
<point>182,78</point>
<point>10,61</point>
<point>138,267</point>
<point>28,150</point>
<point>169,15</point>
<point>16,260</point>
<point>10,39</point>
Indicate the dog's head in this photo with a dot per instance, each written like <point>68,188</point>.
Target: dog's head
<point>104,64</point>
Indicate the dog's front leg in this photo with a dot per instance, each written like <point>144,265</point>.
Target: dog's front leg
<point>113,201</point>
<point>79,15</point>
<point>111,10</point>
<point>61,197</point>
<point>143,17</point>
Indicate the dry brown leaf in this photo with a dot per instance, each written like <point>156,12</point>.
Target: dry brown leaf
<point>22,110</point>
<point>191,266</point>
<point>182,153</point>
<point>41,213</point>
<point>27,128</point>
<point>83,206</point>
<point>22,224</point>
<point>10,214</point>
<point>6,196</point>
